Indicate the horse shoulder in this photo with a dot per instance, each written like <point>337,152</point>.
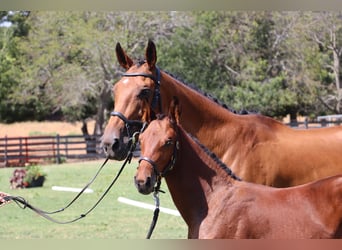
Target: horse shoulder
<point>325,196</point>
<point>225,208</point>
<point>276,151</point>
<point>231,213</point>
<point>255,151</point>
<point>331,189</point>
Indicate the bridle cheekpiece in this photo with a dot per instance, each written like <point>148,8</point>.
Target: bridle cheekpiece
<point>156,100</point>
<point>169,166</point>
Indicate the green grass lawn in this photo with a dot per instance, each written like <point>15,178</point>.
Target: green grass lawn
<point>110,219</point>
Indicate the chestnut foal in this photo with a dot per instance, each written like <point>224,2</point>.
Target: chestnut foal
<point>214,203</point>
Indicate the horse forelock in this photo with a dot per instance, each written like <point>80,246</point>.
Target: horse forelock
<point>160,116</point>
<point>140,62</point>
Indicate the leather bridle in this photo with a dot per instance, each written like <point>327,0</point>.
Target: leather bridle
<point>128,123</point>
<point>159,175</point>
<point>156,100</point>
<point>156,103</point>
<point>169,166</point>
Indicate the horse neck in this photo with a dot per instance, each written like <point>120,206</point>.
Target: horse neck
<point>194,179</point>
<point>191,101</point>
<point>200,116</point>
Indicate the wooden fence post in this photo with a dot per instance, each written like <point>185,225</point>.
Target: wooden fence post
<point>26,151</point>
<point>6,158</point>
<point>66,146</point>
<point>58,155</point>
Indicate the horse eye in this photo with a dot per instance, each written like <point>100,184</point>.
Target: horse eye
<point>145,94</point>
<point>169,142</point>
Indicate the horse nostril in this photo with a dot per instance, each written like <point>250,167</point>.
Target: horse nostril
<point>115,144</point>
<point>148,182</point>
<point>105,147</point>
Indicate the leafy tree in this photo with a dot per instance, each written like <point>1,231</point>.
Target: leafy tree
<point>11,65</point>
<point>62,65</point>
<point>325,33</point>
<point>239,57</point>
<point>73,53</point>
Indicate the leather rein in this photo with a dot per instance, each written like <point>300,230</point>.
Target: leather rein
<point>156,102</point>
<point>160,175</point>
<point>22,203</point>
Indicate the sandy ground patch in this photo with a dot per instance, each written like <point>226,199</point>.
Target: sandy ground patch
<point>43,128</point>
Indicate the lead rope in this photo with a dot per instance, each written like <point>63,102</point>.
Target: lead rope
<point>22,203</point>
<point>9,198</point>
<point>156,210</point>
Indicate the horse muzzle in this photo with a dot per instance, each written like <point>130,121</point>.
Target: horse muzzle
<point>117,149</point>
<point>146,185</point>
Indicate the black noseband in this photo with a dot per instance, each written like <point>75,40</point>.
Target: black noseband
<point>128,123</point>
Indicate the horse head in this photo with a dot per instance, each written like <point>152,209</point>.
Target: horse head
<point>159,145</point>
<point>134,95</point>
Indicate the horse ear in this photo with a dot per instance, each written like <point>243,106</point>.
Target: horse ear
<point>122,57</point>
<point>175,110</point>
<point>151,54</point>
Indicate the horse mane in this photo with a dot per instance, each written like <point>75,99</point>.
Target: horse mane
<point>141,61</point>
<point>213,156</point>
<point>209,96</point>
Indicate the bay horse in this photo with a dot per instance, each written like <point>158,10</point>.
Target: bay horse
<point>214,203</point>
<point>259,149</point>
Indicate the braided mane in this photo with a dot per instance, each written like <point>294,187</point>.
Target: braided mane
<point>211,154</point>
<point>208,95</point>
<point>214,157</point>
<point>140,62</point>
